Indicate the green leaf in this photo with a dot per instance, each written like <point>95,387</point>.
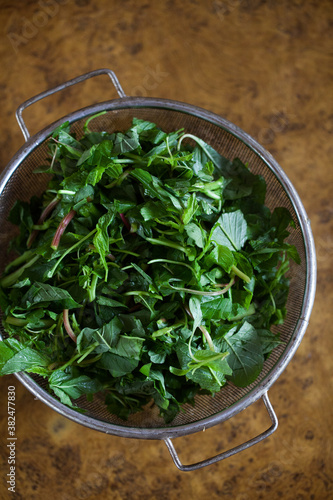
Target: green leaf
<point>245,354</point>
<point>153,188</point>
<point>129,347</point>
<point>210,152</point>
<point>142,272</point>
<point>106,301</point>
<point>196,233</point>
<point>190,209</point>
<point>124,143</point>
<point>114,170</point>
<point>207,380</point>
<point>178,371</point>
<point>230,230</point>
<point>116,278</point>
<point>107,336</point>
<point>145,369</point>
<point>101,238</point>
<point>44,294</point>
<point>117,365</point>
<point>67,385</point>
<point>153,210</point>
<point>269,340</point>
<point>280,220</point>
<point>195,309</point>
<point>222,256</point>
<point>71,145</point>
<point>95,175</point>
<point>216,307</point>
<point>6,353</point>
<point>20,358</point>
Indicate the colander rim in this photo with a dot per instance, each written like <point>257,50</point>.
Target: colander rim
<point>309,293</point>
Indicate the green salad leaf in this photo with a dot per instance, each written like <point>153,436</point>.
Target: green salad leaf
<point>150,269</point>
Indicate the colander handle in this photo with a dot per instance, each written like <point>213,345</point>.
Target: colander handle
<point>63,86</point>
<point>228,453</point>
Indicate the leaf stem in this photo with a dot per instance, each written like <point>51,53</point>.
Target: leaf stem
<point>19,260</point>
<point>120,179</point>
<point>47,210</point>
<point>61,228</point>
<point>11,278</point>
<point>207,337</point>
<point>124,251</point>
<point>141,293</point>
<point>11,320</point>
<point>86,129</point>
<point>125,221</point>
<point>71,361</point>
<point>89,361</point>
<point>240,274</point>
<point>92,288</point>
<point>202,292</point>
<point>66,191</point>
<point>67,325</point>
<point>88,351</point>
<point>204,331</point>
<point>214,375</point>
<point>167,243</point>
<point>51,272</point>
<point>173,262</point>
<point>166,330</point>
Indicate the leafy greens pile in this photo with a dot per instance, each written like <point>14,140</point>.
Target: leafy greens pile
<point>150,269</point>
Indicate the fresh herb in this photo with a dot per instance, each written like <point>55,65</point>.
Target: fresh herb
<point>149,269</point>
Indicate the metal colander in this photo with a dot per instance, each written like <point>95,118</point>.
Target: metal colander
<point>19,182</point>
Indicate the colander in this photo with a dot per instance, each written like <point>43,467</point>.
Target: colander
<point>18,182</point>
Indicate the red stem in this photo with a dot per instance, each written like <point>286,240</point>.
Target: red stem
<point>61,228</point>
<point>67,325</point>
<point>47,210</point>
<point>125,221</point>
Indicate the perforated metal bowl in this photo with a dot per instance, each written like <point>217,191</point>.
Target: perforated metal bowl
<point>18,182</point>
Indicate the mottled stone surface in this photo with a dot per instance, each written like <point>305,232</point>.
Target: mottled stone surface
<point>266,66</point>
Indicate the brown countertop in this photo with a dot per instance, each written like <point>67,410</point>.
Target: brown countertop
<point>265,66</point>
